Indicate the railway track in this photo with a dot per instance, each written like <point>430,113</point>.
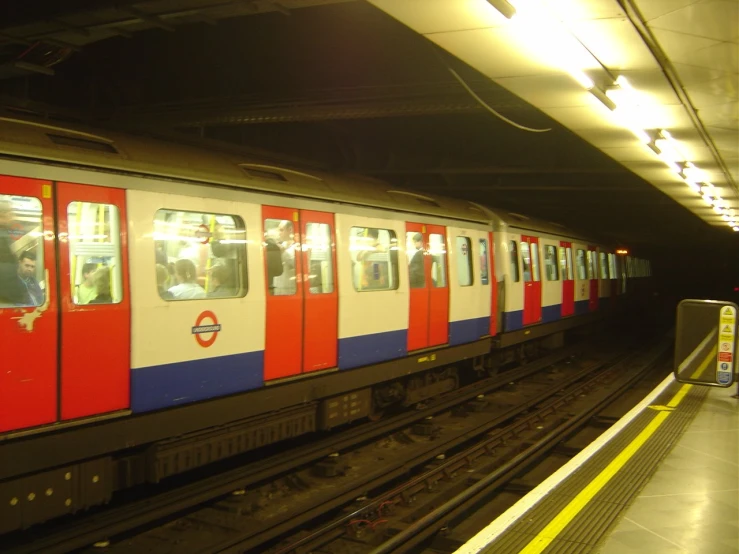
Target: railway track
<point>248,508</point>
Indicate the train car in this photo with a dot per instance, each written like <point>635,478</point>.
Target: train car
<point>164,305</point>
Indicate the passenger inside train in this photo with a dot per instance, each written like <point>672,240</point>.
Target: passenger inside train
<point>187,287</point>
<point>19,267</point>
<point>416,272</point>
<point>86,291</point>
<point>101,280</point>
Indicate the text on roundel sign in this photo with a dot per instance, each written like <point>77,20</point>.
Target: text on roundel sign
<point>201,328</point>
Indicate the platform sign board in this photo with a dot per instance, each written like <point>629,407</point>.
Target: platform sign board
<point>706,343</point>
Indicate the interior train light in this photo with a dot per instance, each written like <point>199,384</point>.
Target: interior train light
<point>506,9</point>
<point>622,251</point>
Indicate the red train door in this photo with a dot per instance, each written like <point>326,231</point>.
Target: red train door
<point>302,296</point>
<point>568,278</point>
<point>28,315</point>
<point>320,294</point>
<point>95,329</point>
<point>428,323</point>
<point>532,280</point>
<point>593,276</point>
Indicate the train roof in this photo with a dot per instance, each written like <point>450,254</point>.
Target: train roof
<point>190,159</point>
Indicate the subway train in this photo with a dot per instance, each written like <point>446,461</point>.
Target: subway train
<point>167,304</point>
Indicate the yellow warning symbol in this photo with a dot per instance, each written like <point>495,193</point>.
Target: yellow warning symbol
<point>727,330</point>
<point>728,316</point>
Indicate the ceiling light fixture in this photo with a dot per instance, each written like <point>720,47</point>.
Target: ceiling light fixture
<point>506,9</point>
<point>600,95</point>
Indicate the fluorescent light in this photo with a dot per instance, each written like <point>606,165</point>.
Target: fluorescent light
<point>600,95</point>
<point>672,165</point>
<point>582,78</point>
<point>725,217</point>
<point>668,151</point>
<point>707,199</point>
<point>506,9</point>
<point>693,186</point>
<point>641,134</point>
<point>736,228</point>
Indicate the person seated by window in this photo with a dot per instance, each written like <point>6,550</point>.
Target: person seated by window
<point>163,282</point>
<point>86,291</point>
<point>221,283</point>
<point>101,280</point>
<point>26,273</point>
<point>187,287</point>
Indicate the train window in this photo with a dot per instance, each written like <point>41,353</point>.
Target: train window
<point>535,261</point>
<point>464,261</point>
<point>592,265</point>
<point>94,253</point>
<point>484,276</point>
<point>281,245</point>
<point>374,259</point>
<point>321,268</point>
<point>603,265</point>
<point>437,249</point>
<point>550,262</point>
<point>526,261</point>
<point>612,273</point>
<point>514,261</point>
<point>562,262</point>
<point>581,271</point>
<point>570,276</point>
<point>415,251</point>
<point>199,255</point>
<point>22,272</point>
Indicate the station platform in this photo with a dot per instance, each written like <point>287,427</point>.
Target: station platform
<point>664,479</point>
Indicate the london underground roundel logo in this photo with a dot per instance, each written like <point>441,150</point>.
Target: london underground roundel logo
<point>206,329</point>
<point>202,233</point>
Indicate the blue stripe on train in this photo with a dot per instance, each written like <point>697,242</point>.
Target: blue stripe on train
<point>170,385</point>
<point>512,320</point>
<point>371,349</point>
<point>468,330</point>
<point>582,307</point>
<point>551,313</point>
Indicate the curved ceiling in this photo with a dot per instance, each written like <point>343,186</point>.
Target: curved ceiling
<point>346,86</point>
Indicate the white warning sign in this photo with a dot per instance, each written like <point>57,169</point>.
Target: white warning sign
<point>725,357</point>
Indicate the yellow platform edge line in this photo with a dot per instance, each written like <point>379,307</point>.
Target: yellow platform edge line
<point>568,513</point>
